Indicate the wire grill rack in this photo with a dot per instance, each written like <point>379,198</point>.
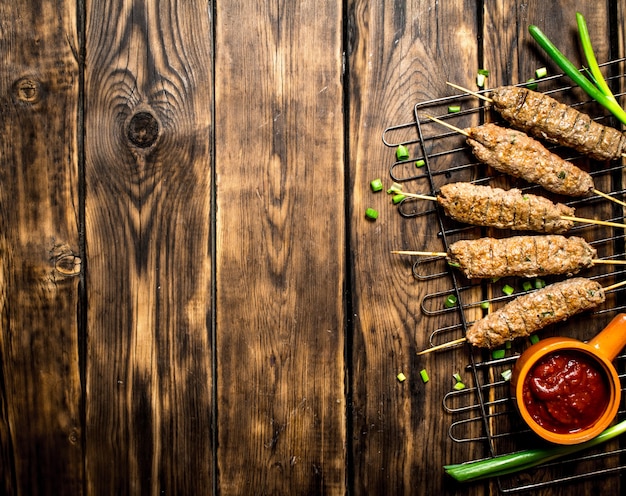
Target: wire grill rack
<point>440,155</point>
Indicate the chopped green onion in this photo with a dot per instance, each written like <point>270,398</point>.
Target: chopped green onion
<point>451,301</point>
<point>508,290</point>
<point>534,339</point>
<point>453,109</point>
<point>424,376</point>
<point>506,374</point>
<point>371,213</point>
<point>483,72</point>
<point>397,198</point>
<point>531,84</point>
<point>395,188</point>
<point>401,377</point>
<point>480,80</point>
<point>498,354</point>
<point>456,377</point>
<point>376,185</point>
<point>402,152</point>
<point>485,305</point>
<point>540,283</point>
<point>508,345</point>
<point>459,385</point>
<point>420,163</point>
<point>527,285</point>
<point>456,265</point>
<point>524,460</point>
<point>541,72</point>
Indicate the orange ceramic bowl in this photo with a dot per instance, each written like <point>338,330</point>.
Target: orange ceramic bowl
<point>526,403</point>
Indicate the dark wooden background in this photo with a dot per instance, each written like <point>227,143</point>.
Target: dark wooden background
<point>191,299</point>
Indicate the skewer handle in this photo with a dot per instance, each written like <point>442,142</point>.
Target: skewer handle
<point>449,344</point>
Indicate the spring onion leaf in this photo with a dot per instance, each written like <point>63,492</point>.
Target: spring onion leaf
<point>523,460</point>
<point>594,89</point>
<point>585,41</point>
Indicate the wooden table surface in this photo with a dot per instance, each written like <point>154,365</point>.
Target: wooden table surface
<point>192,299</point>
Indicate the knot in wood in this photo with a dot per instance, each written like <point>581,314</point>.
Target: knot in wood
<point>27,90</point>
<point>143,129</point>
<point>68,265</point>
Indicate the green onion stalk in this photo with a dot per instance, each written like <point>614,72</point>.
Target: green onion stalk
<point>596,87</point>
<point>524,460</point>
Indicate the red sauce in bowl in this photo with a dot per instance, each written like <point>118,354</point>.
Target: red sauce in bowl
<point>566,391</point>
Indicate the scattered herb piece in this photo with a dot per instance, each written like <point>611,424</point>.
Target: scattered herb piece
<point>480,80</point>
<point>451,301</point>
<point>498,354</point>
<point>458,386</point>
<point>420,163</point>
<point>456,377</point>
<point>453,109</point>
<point>402,152</point>
<point>397,198</point>
<point>534,338</point>
<point>401,377</point>
<point>376,185</point>
<point>541,72</point>
<point>506,374</point>
<point>395,188</point>
<point>485,305</point>
<point>424,376</point>
<point>531,84</point>
<point>540,283</point>
<point>371,213</point>
<point>508,290</point>
<point>527,285</point>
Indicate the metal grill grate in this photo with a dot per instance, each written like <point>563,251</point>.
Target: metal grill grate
<point>446,158</point>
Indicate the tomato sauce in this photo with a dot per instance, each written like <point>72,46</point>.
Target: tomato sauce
<point>566,391</point>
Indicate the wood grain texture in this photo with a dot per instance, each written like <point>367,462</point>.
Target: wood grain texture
<point>148,115</point>
<point>40,391</point>
<point>401,53</point>
<point>280,248</point>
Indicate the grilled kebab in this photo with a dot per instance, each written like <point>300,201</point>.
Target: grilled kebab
<point>514,152</point>
<point>532,312</point>
<point>504,209</point>
<point>526,256</point>
<point>544,117</point>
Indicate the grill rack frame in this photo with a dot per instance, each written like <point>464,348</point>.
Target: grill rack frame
<point>480,408</point>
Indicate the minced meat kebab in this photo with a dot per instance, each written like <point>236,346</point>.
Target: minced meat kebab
<point>526,256</point>
<point>532,312</point>
<point>544,117</point>
<point>514,152</point>
<point>504,209</point>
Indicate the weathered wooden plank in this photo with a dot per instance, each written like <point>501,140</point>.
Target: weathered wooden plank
<point>280,248</point>
<point>40,390</point>
<point>401,54</point>
<point>148,113</point>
